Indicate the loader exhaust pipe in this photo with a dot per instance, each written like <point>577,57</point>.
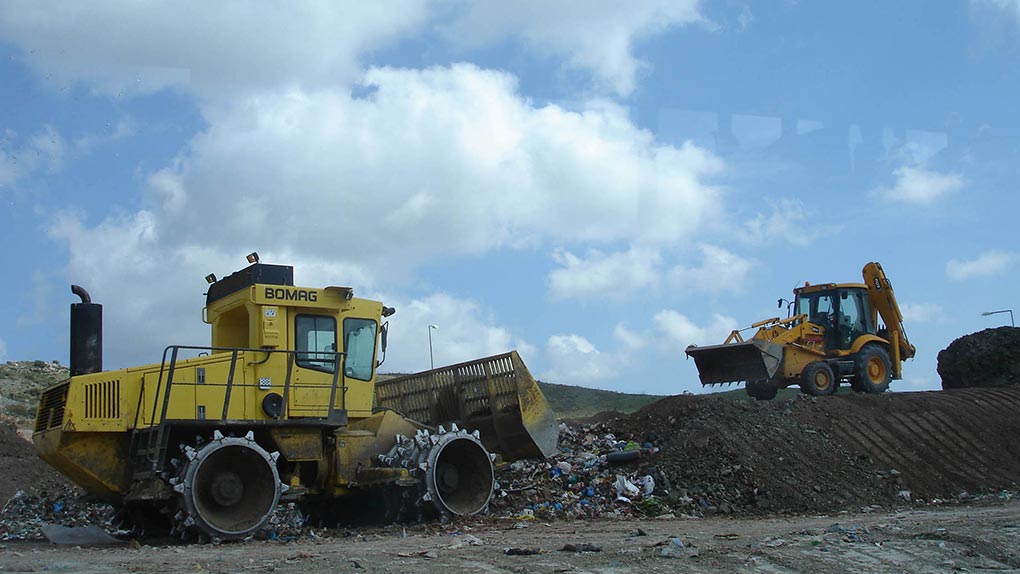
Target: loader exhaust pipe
<point>86,334</point>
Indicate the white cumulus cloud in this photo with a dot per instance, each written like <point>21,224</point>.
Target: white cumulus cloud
<point>597,36</point>
<point>236,47</point>
<point>43,151</point>
<point>629,339</point>
<point>679,331</point>
<point>433,164</point>
<point>465,330</point>
<point>604,275</point>
<point>213,49</point>
<point>574,360</point>
<point>988,264</point>
<point>787,219</point>
<point>3,351</point>
<point>1011,7</point>
<point>923,313</point>
<point>720,270</point>
<point>919,185</point>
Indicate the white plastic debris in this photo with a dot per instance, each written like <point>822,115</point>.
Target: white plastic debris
<point>625,487</point>
<point>647,484</point>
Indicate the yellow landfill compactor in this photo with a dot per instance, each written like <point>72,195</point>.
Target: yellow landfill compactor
<point>283,405</point>
<point>834,336</point>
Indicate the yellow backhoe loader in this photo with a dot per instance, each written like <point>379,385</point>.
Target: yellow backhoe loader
<point>284,405</point>
<point>832,334</point>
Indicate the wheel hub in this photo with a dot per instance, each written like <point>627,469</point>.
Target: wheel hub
<point>875,370</point>
<point>227,488</point>
<point>447,478</point>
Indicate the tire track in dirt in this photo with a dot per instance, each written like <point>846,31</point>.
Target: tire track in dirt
<point>826,453</point>
<point>941,443</point>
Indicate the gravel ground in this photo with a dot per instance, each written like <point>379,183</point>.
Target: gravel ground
<point>972,537</point>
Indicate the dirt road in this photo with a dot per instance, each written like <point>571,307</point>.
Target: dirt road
<point>956,538</point>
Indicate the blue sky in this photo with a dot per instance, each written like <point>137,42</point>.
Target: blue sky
<point>596,184</point>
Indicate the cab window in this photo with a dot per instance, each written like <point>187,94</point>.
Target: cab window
<point>818,307</point>
<point>359,346</point>
<point>315,342</point>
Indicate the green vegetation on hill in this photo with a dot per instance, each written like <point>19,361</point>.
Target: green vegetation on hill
<point>21,383</point>
<point>569,402</point>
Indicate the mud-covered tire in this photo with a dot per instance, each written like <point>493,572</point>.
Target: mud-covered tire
<point>761,390</point>
<point>817,379</point>
<point>872,369</point>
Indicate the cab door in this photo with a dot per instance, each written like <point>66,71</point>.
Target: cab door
<point>315,363</point>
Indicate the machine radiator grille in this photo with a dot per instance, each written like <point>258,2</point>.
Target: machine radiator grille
<point>102,400</point>
<point>51,408</point>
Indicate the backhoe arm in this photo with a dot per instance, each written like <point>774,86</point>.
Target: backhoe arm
<point>880,292</point>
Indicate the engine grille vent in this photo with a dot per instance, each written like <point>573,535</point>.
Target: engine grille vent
<point>51,408</point>
<point>102,400</point>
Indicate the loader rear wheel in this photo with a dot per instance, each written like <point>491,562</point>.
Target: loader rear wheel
<point>761,390</point>
<point>872,369</point>
<point>817,379</point>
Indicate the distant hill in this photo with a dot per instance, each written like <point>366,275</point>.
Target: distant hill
<point>21,383</point>
<point>569,402</point>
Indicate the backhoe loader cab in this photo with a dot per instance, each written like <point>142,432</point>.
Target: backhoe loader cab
<point>832,334</point>
<point>844,311</point>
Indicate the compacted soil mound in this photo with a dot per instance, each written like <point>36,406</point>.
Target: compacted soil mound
<point>829,453</point>
<point>21,469</point>
<point>754,456</point>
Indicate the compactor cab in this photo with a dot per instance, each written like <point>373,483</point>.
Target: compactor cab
<point>832,333</point>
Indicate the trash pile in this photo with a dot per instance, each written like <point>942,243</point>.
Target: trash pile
<point>596,473</point>
<point>24,515</point>
<point>688,456</point>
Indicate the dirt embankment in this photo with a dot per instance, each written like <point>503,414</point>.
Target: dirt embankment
<point>832,453</point>
<point>21,469</point>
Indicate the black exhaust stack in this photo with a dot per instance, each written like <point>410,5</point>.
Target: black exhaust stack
<point>86,334</point>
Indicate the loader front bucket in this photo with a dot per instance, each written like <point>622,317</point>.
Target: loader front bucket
<point>496,396</point>
<point>754,360</point>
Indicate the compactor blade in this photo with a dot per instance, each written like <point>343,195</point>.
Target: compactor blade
<point>754,360</point>
<point>496,396</point>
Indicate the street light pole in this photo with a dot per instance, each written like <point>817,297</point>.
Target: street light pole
<point>432,362</point>
<point>1010,311</point>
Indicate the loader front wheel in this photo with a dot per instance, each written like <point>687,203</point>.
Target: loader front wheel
<point>817,379</point>
<point>761,390</point>
<point>872,369</point>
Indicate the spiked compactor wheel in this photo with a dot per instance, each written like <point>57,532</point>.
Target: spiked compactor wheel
<point>227,489</point>
<point>456,469</point>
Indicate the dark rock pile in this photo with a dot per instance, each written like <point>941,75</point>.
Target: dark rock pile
<point>989,358</point>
